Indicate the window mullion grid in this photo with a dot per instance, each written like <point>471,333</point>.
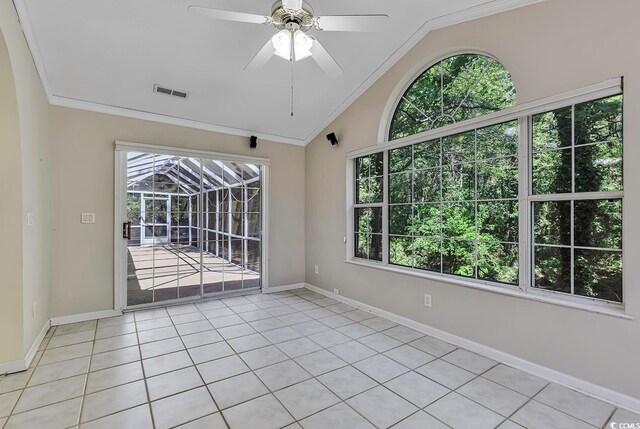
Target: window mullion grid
<point>441,208</point>
<point>385,207</point>
<point>573,191</point>
<point>525,236</point>
<point>476,251</point>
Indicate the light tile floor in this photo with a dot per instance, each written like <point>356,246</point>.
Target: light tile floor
<point>287,360</point>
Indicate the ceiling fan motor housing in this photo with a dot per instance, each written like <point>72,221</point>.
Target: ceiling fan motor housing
<point>281,17</point>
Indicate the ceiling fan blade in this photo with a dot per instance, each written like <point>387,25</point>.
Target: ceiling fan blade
<point>363,23</point>
<point>229,15</point>
<point>292,4</point>
<point>261,57</point>
<point>325,60</point>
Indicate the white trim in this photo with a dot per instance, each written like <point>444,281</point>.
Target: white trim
<point>275,289</point>
<point>31,353</point>
<point>265,261</point>
<point>120,215</point>
<point>191,153</point>
<point>13,366</point>
<point>550,374</point>
<point>83,317</point>
<point>595,91</point>
<point>24,363</point>
<point>550,297</point>
<point>476,12</point>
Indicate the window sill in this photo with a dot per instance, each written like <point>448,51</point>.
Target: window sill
<point>608,310</point>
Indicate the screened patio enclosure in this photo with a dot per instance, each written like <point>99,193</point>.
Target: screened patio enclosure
<point>194,227</point>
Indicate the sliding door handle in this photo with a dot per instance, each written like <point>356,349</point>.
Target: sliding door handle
<point>126,230</point>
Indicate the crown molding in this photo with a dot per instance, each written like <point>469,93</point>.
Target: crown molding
<point>480,11</point>
<point>167,119</point>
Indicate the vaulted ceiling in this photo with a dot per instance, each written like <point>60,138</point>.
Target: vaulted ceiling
<point>108,55</point>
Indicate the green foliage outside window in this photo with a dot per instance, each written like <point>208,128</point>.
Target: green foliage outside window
<point>578,149</point>
<point>453,204</point>
<point>453,201</point>
<point>453,90</point>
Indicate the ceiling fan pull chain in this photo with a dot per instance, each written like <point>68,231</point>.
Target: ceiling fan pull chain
<point>292,88</point>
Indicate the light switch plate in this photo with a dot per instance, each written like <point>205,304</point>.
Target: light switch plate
<point>31,219</point>
<point>88,218</point>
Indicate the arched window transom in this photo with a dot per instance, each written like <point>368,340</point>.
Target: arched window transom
<point>455,89</point>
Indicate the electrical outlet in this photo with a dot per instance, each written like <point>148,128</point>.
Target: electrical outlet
<point>336,291</point>
<point>427,300</point>
<point>316,269</point>
<point>31,219</point>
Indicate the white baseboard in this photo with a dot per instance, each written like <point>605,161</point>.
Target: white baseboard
<point>283,288</point>
<point>31,353</point>
<point>617,398</point>
<point>24,363</point>
<point>74,318</point>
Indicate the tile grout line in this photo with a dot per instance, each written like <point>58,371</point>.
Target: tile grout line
<point>292,326</point>
<point>86,378</point>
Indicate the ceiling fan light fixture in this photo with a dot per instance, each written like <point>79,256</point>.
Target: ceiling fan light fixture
<point>282,44</point>
<point>302,45</point>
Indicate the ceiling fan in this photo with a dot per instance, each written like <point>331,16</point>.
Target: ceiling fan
<point>294,18</point>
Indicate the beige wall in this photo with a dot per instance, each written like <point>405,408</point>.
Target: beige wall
<point>83,181</point>
<point>10,217</point>
<point>30,176</point>
<point>549,48</point>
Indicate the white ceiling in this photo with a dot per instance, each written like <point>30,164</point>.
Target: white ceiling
<point>109,54</point>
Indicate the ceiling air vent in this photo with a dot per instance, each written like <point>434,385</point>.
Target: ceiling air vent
<point>175,93</point>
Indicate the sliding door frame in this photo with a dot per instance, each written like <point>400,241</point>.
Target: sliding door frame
<point>120,213</point>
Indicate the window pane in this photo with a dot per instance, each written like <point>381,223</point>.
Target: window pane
<point>599,167</point>
<point>370,165</point>
<point>426,185</point>
<point>598,274</point>
<point>552,130</point>
<point>458,257</point>
<point>553,268</point>
<point>599,120</point>
<point>253,202</point>
<point>368,220</point>
<point>455,89</point>
<point>369,190</point>
<point>426,220</point>
<point>552,172</point>
<point>498,178</point>
<point>552,222</point>
<point>458,182</point>
<point>498,221</point>
<point>400,159</point>
<point>498,262</point>
<point>362,245</point>
<point>375,247</point>
<point>400,251</point>
<point>400,220</point>
<point>498,140</point>
<point>426,155</point>
<point>458,148</point>
<point>427,253</point>
<point>400,188</point>
<point>598,223</point>
<point>459,220</point>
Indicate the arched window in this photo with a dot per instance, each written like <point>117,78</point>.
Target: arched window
<point>452,90</point>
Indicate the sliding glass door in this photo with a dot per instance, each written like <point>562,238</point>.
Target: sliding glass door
<point>194,227</point>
